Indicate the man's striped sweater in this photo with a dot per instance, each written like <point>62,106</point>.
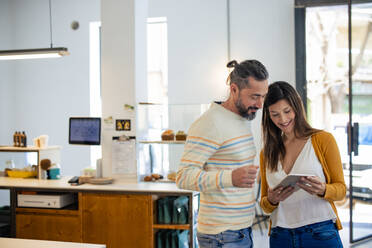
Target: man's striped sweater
<point>217,143</point>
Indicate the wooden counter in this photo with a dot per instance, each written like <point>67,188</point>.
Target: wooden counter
<point>117,215</point>
<point>62,184</point>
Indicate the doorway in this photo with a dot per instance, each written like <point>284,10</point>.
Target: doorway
<point>334,78</point>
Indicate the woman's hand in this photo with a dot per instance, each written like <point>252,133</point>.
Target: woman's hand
<point>312,185</point>
<point>279,194</point>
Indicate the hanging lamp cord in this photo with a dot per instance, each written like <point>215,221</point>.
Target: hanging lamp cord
<point>50,24</point>
<point>228,30</point>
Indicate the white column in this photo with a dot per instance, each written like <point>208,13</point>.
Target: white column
<point>123,65</point>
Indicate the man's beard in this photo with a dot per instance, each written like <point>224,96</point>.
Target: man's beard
<point>243,112</point>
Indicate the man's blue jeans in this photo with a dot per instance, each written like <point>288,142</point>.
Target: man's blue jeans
<point>321,234</point>
<point>227,239</point>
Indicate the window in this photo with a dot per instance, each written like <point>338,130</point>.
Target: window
<point>155,158</point>
<point>95,82</point>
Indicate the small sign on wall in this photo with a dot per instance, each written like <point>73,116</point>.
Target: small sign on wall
<point>123,125</point>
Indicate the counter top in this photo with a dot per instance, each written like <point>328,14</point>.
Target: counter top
<point>31,243</point>
<point>62,184</point>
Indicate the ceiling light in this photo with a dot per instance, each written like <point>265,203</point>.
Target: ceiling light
<point>37,53</point>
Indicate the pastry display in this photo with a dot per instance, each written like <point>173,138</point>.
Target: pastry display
<point>147,178</point>
<point>156,176</point>
<point>152,177</point>
<point>167,135</point>
<point>180,135</point>
<point>172,176</point>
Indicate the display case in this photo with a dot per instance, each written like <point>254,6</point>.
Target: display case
<point>21,157</point>
<point>155,155</point>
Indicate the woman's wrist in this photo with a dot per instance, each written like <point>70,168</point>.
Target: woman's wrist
<point>322,194</point>
<point>272,203</point>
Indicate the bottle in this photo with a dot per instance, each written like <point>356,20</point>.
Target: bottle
<point>24,139</point>
<point>20,139</point>
<point>16,138</point>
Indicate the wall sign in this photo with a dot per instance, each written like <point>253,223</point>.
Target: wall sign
<point>123,125</point>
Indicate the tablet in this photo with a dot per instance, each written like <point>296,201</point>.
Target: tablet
<point>291,180</point>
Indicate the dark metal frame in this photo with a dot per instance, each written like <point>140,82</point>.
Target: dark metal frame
<point>300,41</point>
<point>318,3</point>
<point>300,38</point>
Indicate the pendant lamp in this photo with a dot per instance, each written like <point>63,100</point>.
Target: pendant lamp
<point>52,52</point>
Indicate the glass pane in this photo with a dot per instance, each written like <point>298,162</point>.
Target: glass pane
<point>362,113</point>
<point>156,156</point>
<point>17,160</point>
<point>327,83</point>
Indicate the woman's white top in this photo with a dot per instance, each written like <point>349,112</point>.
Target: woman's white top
<point>300,208</point>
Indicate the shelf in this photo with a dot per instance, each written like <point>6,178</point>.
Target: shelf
<point>50,152</point>
<point>162,142</point>
<point>26,149</point>
<point>62,211</point>
<point>172,226</point>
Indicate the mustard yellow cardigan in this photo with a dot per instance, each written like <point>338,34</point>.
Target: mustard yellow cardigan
<point>328,154</point>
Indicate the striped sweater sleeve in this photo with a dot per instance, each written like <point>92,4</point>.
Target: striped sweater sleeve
<point>199,148</point>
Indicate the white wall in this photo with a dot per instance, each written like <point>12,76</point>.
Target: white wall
<point>264,30</point>
<point>197,48</point>
<point>48,91</point>
<point>6,88</point>
<point>197,38</point>
<point>6,72</point>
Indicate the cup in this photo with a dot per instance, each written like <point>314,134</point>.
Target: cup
<point>54,173</point>
<point>37,142</point>
<point>99,168</point>
<point>43,140</point>
<point>9,164</point>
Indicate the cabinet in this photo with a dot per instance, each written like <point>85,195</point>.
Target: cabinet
<point>129,220</point>
<point>23,156</point>
<point>193,207</point>
<point>49,224</point>
<point>41,224</point>
<point>112,217</point>
<point>117,220</point>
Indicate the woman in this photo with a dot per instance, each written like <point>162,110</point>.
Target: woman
<point>303,215</point>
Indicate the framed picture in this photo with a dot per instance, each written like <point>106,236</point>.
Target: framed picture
<point>123,125</point>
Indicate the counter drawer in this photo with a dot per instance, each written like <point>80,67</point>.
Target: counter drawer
<point>48,227</point>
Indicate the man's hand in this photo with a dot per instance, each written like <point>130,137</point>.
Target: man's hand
<point>244,177</point>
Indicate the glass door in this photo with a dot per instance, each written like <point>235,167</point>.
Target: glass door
<point>360,132</point>
<point>336,86</point>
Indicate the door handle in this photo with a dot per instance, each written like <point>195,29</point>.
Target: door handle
<point>353,138</point>
<point>356,138</point>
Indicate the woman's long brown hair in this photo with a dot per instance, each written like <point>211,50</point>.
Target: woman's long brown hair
<point>274,149</point>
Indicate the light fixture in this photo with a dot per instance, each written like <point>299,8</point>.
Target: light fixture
<point>52,52</point>
<point>228,30</point>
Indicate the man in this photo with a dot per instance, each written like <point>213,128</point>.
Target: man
<point>218,160</point>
